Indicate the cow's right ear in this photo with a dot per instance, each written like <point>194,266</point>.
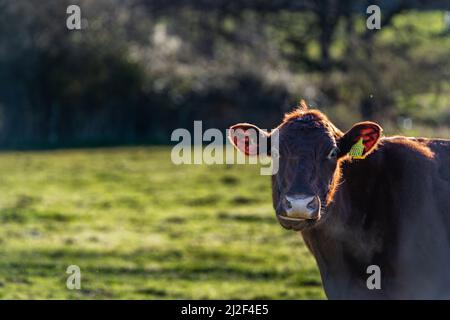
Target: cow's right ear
<point>247,138</point>
<point>360,140</point>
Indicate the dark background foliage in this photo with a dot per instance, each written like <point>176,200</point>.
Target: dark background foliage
<point>139,69</point>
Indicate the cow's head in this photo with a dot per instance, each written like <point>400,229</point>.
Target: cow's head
<point>310,150</point>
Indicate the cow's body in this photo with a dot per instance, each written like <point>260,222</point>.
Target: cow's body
<point>360,201</point>
<point>391,210</point>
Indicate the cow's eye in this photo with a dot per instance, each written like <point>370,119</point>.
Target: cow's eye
<point>333,153</point>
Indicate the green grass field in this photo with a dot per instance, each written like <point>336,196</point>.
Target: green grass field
<point>140,227</point>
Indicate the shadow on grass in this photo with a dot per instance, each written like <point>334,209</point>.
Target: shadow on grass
<point>22,211</point>
<point>173,265</point>
<point>245,217</point>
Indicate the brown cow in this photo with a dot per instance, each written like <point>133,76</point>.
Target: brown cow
<point>390,208</point>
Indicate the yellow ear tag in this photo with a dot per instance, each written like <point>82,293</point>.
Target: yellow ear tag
<point>357,150</point>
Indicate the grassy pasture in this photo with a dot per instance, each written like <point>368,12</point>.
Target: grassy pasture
<point>140,227</point>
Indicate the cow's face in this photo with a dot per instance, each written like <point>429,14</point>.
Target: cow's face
<point>310,149</point>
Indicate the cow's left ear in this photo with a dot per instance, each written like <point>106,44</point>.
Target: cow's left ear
<point>248,139</point>
<point>360,140</point>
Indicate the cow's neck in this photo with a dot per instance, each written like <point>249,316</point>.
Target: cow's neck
<point>386,212</point>
<point>349,239</point>
<point>355,218</point>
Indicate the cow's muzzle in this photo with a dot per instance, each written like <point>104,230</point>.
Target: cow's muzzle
<point>299,210</point>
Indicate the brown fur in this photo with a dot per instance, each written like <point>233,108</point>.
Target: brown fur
<point>390,209</point>
<point>419,146</point>
<point>319,117</point>
<point>303,110</point>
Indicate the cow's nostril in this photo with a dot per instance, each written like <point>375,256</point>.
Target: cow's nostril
<point>314,204</point>
<point>287,204</point>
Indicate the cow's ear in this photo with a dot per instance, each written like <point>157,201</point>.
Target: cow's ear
<point>247,138</point>
<point>360,140</point>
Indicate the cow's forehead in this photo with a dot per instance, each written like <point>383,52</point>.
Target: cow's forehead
<point>303,136</point>
<point>302,129</point>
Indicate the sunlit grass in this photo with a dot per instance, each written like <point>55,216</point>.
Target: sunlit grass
<point>140,227</point>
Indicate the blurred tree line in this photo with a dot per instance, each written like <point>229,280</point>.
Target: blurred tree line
<point>139,69</point>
